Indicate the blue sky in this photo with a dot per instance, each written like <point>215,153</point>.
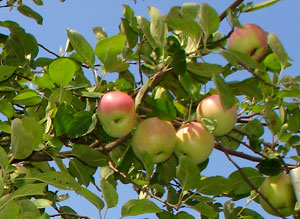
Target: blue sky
<point>283,19</point>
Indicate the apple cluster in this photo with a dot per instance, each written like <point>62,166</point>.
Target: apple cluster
<point>159,138</point>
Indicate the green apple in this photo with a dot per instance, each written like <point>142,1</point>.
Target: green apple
<point>212,108</point>
<point>156,137</point>
<point>117,114</point>
<point>194,141</point>
<point>279,192</point>
<point>249,39</point>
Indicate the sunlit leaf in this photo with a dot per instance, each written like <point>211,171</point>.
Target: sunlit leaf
<point>6,71</point>
<point>62,70</point>
<point>135,207</point>
<point>26,135</point>
<point>82,47</point>
<point>188,173</point>
<point>25,10</point>
<point>109,193</point>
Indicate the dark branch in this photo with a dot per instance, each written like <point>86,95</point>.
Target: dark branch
<point>231,7</point>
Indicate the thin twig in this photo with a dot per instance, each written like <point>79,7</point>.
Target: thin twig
<point>70,214</point>
<point>49,51</point>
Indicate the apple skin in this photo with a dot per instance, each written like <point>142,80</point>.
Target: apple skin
<point>194,141</point>
<point>155,136</point>
<point>212,108</point>
<point>116,112</point>
<point>249,39</point>
<point>279,192</point>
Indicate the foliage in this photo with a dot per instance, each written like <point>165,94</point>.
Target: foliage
<point>51,135</point>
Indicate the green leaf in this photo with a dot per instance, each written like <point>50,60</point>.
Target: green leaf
<point>140,95</point>
<point>206,209</point>
<point>60,180</point>
<point>28,98</point>
<point>190,10</point>
<point>26,135</point>
<point>209,19</point>
<point>38,2</point>
<point>80,124</point>
<point>81,171</point>
<point>215,185</point>
<point>204,69</point>
<point>82,47</point>
<point>90,196</point>
<point>158,27</point>
<point>42,203</point>
<point>62,119</point>
<point>135,207</point>
<point>178,63</point>
<point>100,33</point>
<point>6,71</point>
<point>273,120</point>
<point>25,10</point>
<point>4,160</point>
<point>188,173</point>
<point>26,190</point>
<point>144,25</point>
<point>89,155</point>
<point>190,86</point>
<point>270,167</point>
<point>10,211</point>
<point>236,58</point>
<point>272,62</point>
<point>131,34</point>
<point>261,5</point>
<point>167,169</point>
<point>278,49</point>
<point>148,163</point>
<point>254,128</point>
<point>6,108</point>
<point>184,23</point>
<point>226,95</point>
<point>164,109</point>
<point>183,215</point>
<point>239,185</point>
<point>62,70</point>
<point>110,47</point>
<point>109,193</point>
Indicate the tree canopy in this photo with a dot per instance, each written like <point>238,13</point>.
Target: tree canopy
<point>52,139</point>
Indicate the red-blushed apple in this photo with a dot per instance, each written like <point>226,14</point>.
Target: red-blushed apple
<point>249,39</point>
<point>212,108</point>
<point>194,141</point>
<point>279,192</point>
<point>117,113</point>
<point>156,137</point>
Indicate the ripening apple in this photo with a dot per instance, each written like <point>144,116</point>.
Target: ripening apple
<point>117,114</point>
<point>194,141</point>
<point>212,108</point>
<point>279,192</point>
<point>156,137</point>
<point>249,39</point>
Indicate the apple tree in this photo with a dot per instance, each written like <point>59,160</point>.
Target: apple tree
<point>63,121</point>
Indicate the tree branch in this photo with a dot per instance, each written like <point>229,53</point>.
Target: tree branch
<point>231,7</point>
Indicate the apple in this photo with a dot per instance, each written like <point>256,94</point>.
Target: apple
<point>279,192</point>
<point>116,112</point>
<point>194,141</point>
<point>212,108</point>
<point>155,136</point>
<point>249,39</point>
